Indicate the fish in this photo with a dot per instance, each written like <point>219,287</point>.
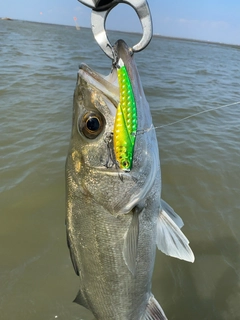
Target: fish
<point>115,217</point>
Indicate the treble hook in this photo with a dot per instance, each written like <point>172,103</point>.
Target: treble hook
<point>101,9</point>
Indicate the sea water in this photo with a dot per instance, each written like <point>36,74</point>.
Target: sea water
<point>200,162</point>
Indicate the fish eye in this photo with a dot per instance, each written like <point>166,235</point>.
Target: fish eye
<point>91,124</point>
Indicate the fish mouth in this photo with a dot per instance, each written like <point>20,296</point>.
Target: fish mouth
<point>109,85</point>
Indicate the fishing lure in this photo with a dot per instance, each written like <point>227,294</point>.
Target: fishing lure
<point>125,126</point>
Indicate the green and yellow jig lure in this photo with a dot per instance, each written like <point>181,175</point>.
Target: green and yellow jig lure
<point>125,126</point>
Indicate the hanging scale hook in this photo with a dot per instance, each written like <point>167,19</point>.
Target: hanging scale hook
<point>101,9</point>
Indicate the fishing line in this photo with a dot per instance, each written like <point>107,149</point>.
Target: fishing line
<point>188,117</point>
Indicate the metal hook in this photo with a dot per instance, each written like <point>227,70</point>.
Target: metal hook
<point>98,20</point>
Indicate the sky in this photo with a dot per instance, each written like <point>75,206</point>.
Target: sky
<point>208,20</point>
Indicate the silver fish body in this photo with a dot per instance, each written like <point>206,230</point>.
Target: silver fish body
<point>115,218</point>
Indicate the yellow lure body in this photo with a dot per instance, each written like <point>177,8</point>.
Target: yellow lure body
<point>125,126</point>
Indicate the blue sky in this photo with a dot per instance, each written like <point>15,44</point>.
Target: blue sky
<point>211,20</point>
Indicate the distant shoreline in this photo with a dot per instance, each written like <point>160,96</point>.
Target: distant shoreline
<point>133,32</point>
<point>6,18</point>
<point>197,40</point>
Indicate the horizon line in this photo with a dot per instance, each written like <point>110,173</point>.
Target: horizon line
<point>157,35</point>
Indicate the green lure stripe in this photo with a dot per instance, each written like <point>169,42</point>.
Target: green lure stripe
<point>125,126</point>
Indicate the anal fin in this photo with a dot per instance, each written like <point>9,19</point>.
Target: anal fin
<point>154,311</point>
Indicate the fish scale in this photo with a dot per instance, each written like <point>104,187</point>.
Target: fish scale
<point>125,125</point>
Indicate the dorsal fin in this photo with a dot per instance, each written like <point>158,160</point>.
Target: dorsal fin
<point>172,214</point>
<point>171,240</point>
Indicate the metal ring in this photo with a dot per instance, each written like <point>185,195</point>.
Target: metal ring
<point>98,20</point>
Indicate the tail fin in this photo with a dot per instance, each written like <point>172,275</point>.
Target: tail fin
<point>154,311</point>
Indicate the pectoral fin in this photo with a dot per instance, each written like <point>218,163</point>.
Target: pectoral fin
<point>172,214</point>
<point>171,240</point>
<point>154,311</point>
<point>72,256</point>
<point>131,244</point>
